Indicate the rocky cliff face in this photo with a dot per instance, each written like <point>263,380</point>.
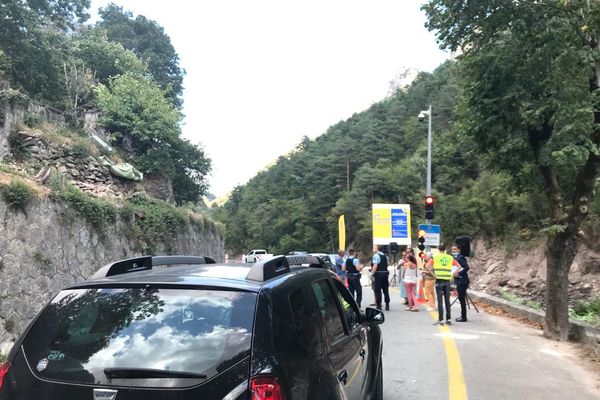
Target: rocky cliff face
<point>49,247</point>
<point>523,271</point>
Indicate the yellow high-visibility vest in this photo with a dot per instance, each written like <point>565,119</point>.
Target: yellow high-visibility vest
<point>442,266</point>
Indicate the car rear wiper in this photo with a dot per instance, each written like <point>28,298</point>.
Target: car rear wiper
<point>141,373</point>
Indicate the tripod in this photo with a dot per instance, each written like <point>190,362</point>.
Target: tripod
<point>394,278</point>
<point>469,303</point>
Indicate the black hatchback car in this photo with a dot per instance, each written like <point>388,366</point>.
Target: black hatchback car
<point>177,328</point>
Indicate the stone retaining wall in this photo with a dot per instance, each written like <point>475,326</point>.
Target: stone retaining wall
<point>42,251</point>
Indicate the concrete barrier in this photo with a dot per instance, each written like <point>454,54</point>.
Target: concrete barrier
<point>579,331</point>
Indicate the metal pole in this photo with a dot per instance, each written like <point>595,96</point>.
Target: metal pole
<point>429,157</point>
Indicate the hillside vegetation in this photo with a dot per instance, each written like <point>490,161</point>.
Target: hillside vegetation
<point>124,67</point>
<point>380,155</point>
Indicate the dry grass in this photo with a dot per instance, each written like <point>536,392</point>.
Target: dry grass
<point>39,191</point>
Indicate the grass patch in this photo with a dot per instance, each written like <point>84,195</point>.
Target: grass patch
<point>9,325</point>
<point>513,298</point>
<point>83,148</point>
<point>41,260</point>
<point>588,311</point>
<point>153,222</point>
<point>98,213</point>
<point>17,194</point>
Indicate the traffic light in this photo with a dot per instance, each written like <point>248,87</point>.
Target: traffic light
<point>429,204</point>
<point>421,239</point>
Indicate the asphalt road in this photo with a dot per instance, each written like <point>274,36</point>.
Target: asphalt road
<point>489,357</point>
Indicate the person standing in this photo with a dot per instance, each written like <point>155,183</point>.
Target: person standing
<point>410,277</point>
<point>461,278</point>
<point>443,266</point>
<point>429,287</point>
<point>400,268</point>
<point>379,269</point>
<point>339,264</point>
<point>353,268</point>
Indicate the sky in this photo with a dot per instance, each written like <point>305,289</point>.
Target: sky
<point>262,74</point>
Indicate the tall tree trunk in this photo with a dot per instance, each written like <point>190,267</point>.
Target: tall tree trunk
<point>561,251</point>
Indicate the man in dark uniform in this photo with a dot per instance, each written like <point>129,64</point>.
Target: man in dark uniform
<point>379,269</point>
<point>353,268</point>
<point>461,278</point>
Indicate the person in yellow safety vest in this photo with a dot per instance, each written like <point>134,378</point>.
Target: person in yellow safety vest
<point>443,266</point>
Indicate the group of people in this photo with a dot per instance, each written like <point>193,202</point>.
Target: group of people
<point>350,269</point>
<point>435,277</point>
<point>437,274</point>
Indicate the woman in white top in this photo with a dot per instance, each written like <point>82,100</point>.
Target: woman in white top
<point>410,276</point>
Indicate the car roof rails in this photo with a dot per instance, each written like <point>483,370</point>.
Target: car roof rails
<point>146,263</point>
<point>264,270</point>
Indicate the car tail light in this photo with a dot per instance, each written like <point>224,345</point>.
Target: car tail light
<point>266,388</point>
<point>4,367</point>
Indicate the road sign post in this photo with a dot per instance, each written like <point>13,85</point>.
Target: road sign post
<point>432,235</point>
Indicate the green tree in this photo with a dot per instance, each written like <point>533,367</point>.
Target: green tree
<point>143,122</point>
<point>135,111</point>
<point>150,43</point>
<point>105,58</point>
<point>33,39</point>
<point>531,78</point>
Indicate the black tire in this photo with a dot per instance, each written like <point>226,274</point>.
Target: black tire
<point>378,392</point>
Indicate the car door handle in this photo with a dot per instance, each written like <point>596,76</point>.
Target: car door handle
<point>362,353</point>
<point>343,377</point>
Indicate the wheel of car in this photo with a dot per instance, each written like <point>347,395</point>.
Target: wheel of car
<point>378,395</point>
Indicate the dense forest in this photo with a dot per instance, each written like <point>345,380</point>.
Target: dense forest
<point>380,156</point>
<point>123,66</point>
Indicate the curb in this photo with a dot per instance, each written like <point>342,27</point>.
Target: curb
<point>579,331</point>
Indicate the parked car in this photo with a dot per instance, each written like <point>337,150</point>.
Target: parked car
<point>178,328</point>
<point>328,258</point>
<point>256,255</point>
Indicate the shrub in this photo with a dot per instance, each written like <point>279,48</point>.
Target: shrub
<point>17,194</point>
<point>82,148</point>
<point>96,212</point>
<point>32,120</point>
<point>9,325</point>
<point>588,311</point>
<point>153,221</point>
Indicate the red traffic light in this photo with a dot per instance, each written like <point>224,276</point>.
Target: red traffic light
<point>429,200</point>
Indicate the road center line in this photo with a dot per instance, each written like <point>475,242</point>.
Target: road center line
<point>457,389</point>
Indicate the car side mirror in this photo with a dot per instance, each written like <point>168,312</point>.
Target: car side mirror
<point>374,316</point>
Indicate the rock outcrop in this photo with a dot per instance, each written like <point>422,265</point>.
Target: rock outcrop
<point>523,271</point>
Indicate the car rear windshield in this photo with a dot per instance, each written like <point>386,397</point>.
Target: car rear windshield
<point>189,333</point>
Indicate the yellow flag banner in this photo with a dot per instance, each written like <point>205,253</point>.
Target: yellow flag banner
<point>342,232</point>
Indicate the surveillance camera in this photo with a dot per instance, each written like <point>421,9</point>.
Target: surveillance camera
<point>421,116</point>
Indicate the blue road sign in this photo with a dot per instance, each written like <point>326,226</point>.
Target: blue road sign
<point>433,234</point>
